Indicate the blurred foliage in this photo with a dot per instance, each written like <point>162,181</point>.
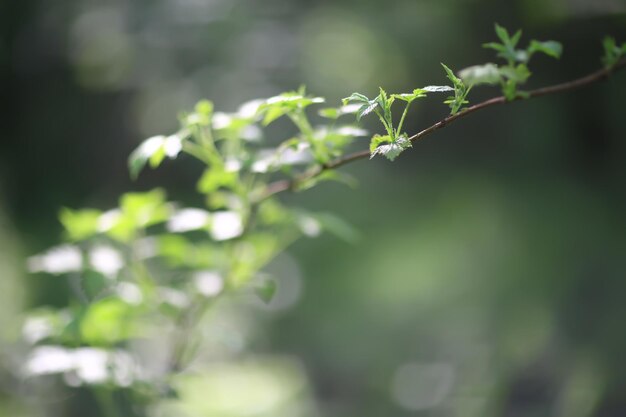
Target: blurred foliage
<point>488,279</point>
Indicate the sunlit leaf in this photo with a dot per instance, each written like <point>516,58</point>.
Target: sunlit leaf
<point>79,224</point>
<point>550,48</point>
<point>437,88</point>
<point>385,145</point>
<point>108,321</point>
<point>481,74</point>
<point>366,109</point>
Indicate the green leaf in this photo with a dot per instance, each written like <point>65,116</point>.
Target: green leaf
<point>385,145</point>
<point>330,113</point>
<point>216,177</point>
<point>437,88</point>
<point>285,103</point>
<point>612,52</point>
<point>356,97</point>
<point>519,74</point>
<point>266,290</point>
<point>79,224</point>
<point>107,322</point>
<point>93,283</point>
<point>457,82</point>
<point>515,39</point>
<point>503,34</point>
<point>495,46</point>
<point>205,108</point>
<point>481,74</point>
<point>366,109</point>
<point>551,48</point>
<point>154,149</point>
<point>145,209</point>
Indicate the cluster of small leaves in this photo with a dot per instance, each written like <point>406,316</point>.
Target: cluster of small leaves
<point>461,91</point>
<point>613,52</point>
<point>395,140</point>
<point>150,260</point>
<point>516,71</point>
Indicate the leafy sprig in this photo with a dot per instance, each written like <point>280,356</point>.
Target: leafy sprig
<point>516,71</point>
<point>613,52</point>
<point>395,141</point>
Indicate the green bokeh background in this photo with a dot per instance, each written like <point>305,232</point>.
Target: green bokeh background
<point>489,277</point>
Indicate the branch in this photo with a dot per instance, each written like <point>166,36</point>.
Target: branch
<point>597,76</point>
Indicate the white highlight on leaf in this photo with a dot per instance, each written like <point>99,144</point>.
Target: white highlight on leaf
<point>232,165</point>
<point>57,260</point>
<point>352,131</point>
<point>392,150</point>
<point>108,219</point>
<point>309,226</point>
<point>252,133</point>
<point>187,219</point>
<point>150,145</point>
<point>350,108</point>
<point>221,120</point>
<point>480,74</point>
<point>48,360</point>
<point>268,159</point>
<point>173,145</point>
<point>249,109</point>
<point>437,88</point>
<point>106,260</point>
<point>36,329</point>
<point>145,248</point>
<point>226,225</point>
<point>129,292</point>
<point>83,365</point>
<point>208,283</point>
<point>173,297</point>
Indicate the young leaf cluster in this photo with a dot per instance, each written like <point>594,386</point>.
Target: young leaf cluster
<point>515,72</point>
<point>395,140</point>
<point>613,52</point>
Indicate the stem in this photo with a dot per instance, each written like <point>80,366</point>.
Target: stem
<point>388,128</point>
<point>597,76</point>
<point>406,109</point>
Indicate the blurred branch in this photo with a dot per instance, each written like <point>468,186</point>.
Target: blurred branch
<point>597,76</point>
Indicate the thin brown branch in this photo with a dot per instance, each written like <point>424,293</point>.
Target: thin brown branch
<point>597,76</point>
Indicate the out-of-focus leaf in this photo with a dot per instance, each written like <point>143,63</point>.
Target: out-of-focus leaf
<point>216,177</point>
<point>355,97</point>
<point>145,209</point>
<point>80,224</point>
<point>266,290</point>
<point>154,150</point>
<point>93,284</point>
<point>108,321</point>
<point>519,74</point>
<point>57,260</point>
<point>550,48</point>
<point>337,226</point>
<point>481,74</point>
<point>283,104</point>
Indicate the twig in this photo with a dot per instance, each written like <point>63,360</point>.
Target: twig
<point>597,76</point>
